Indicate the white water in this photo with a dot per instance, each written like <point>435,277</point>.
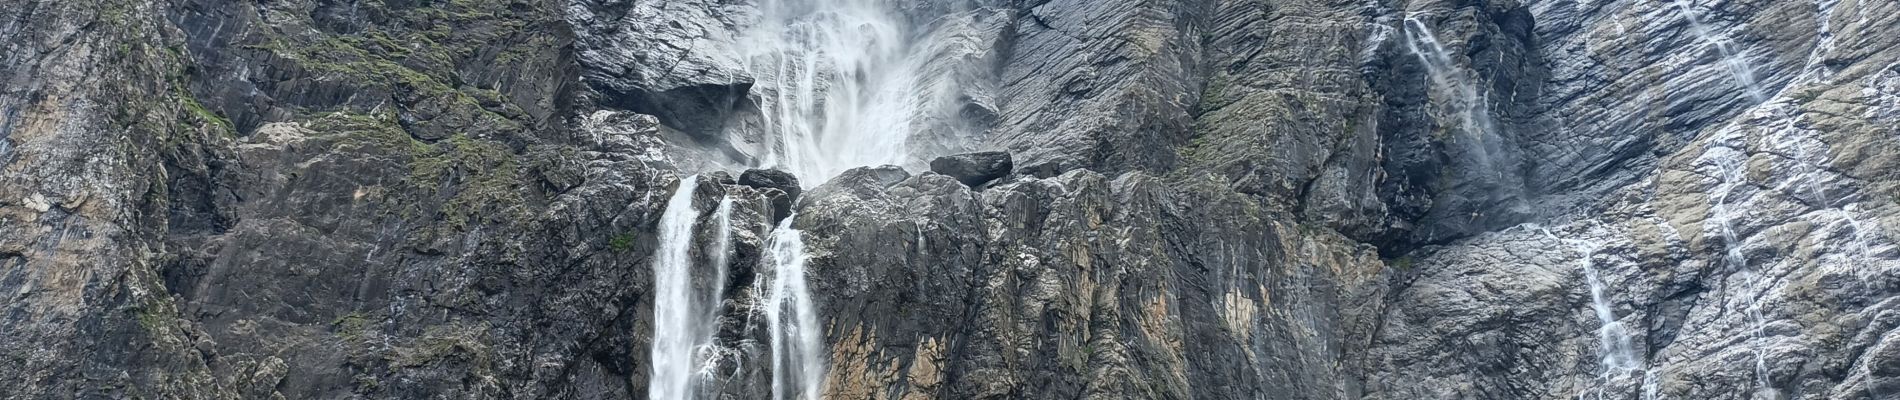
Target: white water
<point>1614,344</point>
<point>1823,40</point>
<point>841,84</point>
<point>837,83</point>
<point>1732,59</point>
<point>675,312</point>
<point>798,363</point>
<point>684,352</point>
<point>709,349</point>
<point>1472,106</point>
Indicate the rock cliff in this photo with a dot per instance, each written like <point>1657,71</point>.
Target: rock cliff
<point>1174,199</point>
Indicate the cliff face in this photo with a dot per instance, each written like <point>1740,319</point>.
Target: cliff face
<point>1211,199</point>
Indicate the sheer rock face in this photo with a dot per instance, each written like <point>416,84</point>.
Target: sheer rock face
<point>1213,199</point>
<point>1081,286</point>
<point>1100,85</point>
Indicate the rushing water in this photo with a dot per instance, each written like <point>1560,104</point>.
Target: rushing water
<point>685,315</point>
<point>837,82</point>
<point>798,364</point>
<point>1727,158</point>
<point>676,319</point>
<point>840,85</point>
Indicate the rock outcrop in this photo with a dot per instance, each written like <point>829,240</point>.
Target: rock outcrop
<point>974,169</point>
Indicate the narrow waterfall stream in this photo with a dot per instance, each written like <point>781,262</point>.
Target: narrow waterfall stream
<point>1733,59</point>
<point>685,316</point>
<point>1471,104</point>
<point>798,364</point>
<point>676,313</point>
<point>1727,157</point>
<point>1614,344</point>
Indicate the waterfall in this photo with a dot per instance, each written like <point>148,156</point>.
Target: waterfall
<point>1731,58</point>
<point>1472,106</point>
<point>1615,347</point>
<point>1824,40</point>
<point>1728,159</point>
<point>837,81</point>
<point>685,317</point>
<point>722,255</point>
<point>840,84</point>
<point>675,320</point>
<point>798,362</point>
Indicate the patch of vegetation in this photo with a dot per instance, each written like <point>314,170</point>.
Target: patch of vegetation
<point>351,327</point>
<point>483,176</point>
<point>367,384</point>
<point>622,243</point>
<point>197,110</point>
<point>445,343</point>
<point>1405,263</point>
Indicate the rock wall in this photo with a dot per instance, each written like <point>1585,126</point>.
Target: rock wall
<point>1299,199</point>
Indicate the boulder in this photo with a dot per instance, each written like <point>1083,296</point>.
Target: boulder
<point>771,179</point>
<point>785,189</point>
<point>974,169</point>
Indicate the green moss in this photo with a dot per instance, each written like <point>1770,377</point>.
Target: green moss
<point>1214,96</point>
<point>452,342</point>
<point>622,243</point>
<point>350,327</point>
<point>1402,263</point>
<point>377,133</point>
<point>483,179</point>
<point>152,318</point>
<point>198,110</point>
<point>367,384</point>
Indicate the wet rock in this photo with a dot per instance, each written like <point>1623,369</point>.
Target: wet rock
<point>723,177</point>
<point>974,169</point>
<point>671,59</point>
<point>780,188</point>
<point>771,179</point>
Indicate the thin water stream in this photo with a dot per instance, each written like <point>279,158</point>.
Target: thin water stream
<point>1615,345</point>
<point>1732,58</point>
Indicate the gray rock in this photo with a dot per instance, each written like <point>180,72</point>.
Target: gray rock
<point>974,169</point>
<point>771,179</point>
<point>671,59</point>
<point>782,189</point>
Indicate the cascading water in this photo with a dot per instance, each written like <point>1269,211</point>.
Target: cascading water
<point>1731,58</point>
<point>1727,158</point>
<point>709,349</point>
<point>676,313</point>
<point>684,317</point>
<point>1471,104</point>
<point>837,84</point>
<point>1615,346</point>
<point>798,364</point>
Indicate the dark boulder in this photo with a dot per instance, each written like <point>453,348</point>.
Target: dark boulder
<point>974,169</point>
<point>771,179</point>
<point>783,193</point>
